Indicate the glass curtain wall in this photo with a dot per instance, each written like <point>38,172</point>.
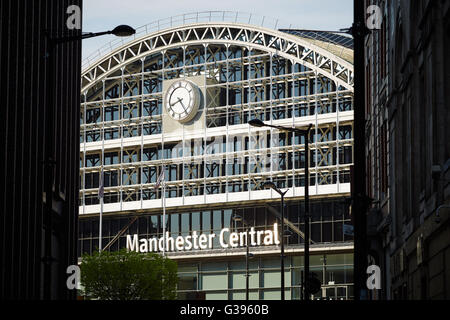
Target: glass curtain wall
<point>327,224</point>
<point>225,280</point>
<point>242,84</point>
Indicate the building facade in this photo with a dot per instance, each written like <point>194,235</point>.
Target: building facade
<point>38,213</point>
<point>408,150</point>
<point>177,99</point>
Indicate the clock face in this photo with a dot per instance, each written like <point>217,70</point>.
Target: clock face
<point>182,100</point>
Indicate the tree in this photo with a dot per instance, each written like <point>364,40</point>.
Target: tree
<point>123,275</point>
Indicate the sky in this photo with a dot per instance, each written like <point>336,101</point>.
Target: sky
<point>102,15</point>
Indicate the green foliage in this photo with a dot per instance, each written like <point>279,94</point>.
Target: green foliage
<point>123,275</point>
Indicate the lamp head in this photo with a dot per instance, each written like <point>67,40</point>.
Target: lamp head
<point>256,123</point>
<point>123,31</point>
<point>237,218</point>
<point>269,185</point>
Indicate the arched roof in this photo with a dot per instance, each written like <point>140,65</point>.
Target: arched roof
<point>330,60</point>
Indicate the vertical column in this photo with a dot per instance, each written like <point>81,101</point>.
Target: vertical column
<point>121,140</point>
<point>272,144</point>
<point>183,156</point>
<point>316,152</point>
<point>337,139</point>
<point>141,121</point>
<point>83,182</point>
<point>203,156</point>
<point>227,140</point>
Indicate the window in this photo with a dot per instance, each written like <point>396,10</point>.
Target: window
<point>217,220</point>
<point>92,160</point>
<point>91,180</point>
<point>174,224</point>
<point>111,158</point>
<point>185,223</point>
<point>111,178</point>
<point>206,221</point>
<point>196,221</point>
<point>111,113</point>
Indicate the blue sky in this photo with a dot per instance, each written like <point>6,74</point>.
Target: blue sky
<point>101,15</point>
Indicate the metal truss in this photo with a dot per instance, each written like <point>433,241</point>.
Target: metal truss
<point>251,74</point>
<point>296,49</point>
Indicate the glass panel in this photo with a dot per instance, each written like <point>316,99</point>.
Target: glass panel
<point>187,281</point>
<point>335,274</point>
<point>271,295</point>
<point>348,258</point>
<point>214,281</point>
<point>143,225</point>
<point>216,240</point>
<point>333,259</point>
<point>240,295</point>
<point>174,225</point>
<point>315,232</point>
<point>287,277</point>
<point>206,220</point>
<point>237,265</point>
<point>217,219</point>
<point>227,218</point>
<point>296,276</point>
<point>260,216</point>
<point>185,222</point>
<point>214,266</point>
<point>271,279</point>
<point>326,232</point>
<point>316,260</point>
<point>348,274</point>
<point>187,268</point>
<point>254,280</point>
<point>238,280</point>
<point>318,271</point>
<point>216,296</point>
<point>240,265</point>
<point>271,263</point>
<point>195,221</point>
<point>153,228</point>
<point>298,261</point>
<point>296,293</point>
<point>338,231</point>
<point>287,294</point>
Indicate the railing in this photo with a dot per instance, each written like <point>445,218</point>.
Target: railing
<point>179,20</point>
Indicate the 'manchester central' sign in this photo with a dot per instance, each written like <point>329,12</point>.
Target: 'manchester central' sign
<point>203,241</point>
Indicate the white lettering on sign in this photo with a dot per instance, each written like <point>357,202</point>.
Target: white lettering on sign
<point>204,241</point>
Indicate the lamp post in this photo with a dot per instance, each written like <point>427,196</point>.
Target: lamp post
<point>247,256</point>
<point>50,155</point>
<point>304,132</point>
<point>281,193</point>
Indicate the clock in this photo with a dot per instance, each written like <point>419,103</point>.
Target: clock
<point>182,100</point>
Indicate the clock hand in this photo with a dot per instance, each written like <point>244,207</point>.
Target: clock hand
<point>179,99</point>
<point>183,106</point>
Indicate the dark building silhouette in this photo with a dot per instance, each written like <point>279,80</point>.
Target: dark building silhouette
<point>408,148</point>
<point>32,90</point>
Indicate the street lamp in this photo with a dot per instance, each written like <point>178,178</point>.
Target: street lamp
<point>272,185</point>
<point>237,218</point>
<point>119,31</point>
<point>50,155</point>
<point>304,132</point>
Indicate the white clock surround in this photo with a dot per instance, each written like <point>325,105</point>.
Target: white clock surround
<point>182,100</point>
